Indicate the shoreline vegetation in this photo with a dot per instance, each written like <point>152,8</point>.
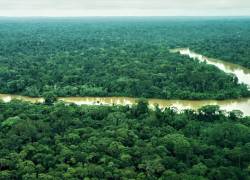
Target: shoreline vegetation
<point>83,138</point>
<point>180,105</point>
<point>82,58</point>
<point>59,141</point>
<point>239,90</point>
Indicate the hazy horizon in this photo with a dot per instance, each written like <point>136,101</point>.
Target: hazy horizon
<point>82,8</point>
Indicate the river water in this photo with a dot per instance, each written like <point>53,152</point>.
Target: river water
<point>241,72</point>
<point>243,104</point>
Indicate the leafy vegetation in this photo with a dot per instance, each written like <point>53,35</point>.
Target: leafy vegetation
<point>39,141</point>
<point>116,57</point>
<point>121,57</point>
<point>228,40</point>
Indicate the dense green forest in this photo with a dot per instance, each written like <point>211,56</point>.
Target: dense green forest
<point>227,40</point>
<point>120,57</point>
<point>53,57</point>
<point>40,141</point>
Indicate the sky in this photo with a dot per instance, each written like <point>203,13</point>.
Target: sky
<point>124,7</point>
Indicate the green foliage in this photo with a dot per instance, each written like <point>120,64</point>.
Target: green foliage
<point>113,57</point>
<point>49,98</point>
<point>11,121</point>
<point>141,108</point>
<point>177,144</point>
<point>121,57</point>
<point>224,39</point>
<point>96,142</point>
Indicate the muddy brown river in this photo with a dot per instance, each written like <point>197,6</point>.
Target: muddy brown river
<point>243,104</point>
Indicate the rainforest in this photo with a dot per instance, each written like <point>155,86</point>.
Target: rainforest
<point>114,57</point>
<point>125,98</point>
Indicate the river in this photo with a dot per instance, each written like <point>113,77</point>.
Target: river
<point>242,73</point>
<point>243,104</point>
<point>228,105</point>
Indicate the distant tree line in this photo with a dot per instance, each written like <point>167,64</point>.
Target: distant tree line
<point>82,57</point>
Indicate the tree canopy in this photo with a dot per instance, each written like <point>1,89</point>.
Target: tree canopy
<point>40,141</point>
<point>119,57</point>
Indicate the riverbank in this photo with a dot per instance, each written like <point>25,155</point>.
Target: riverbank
<point>227,105</point>
<point>242,73</point>
<point>242,104</point>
